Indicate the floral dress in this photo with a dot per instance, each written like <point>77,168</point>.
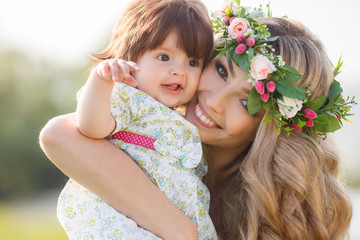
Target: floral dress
<point>166,147</point>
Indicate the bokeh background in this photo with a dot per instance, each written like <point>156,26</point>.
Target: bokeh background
<point>44,47</point>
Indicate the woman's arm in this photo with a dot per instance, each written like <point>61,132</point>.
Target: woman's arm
<point>104,169</point>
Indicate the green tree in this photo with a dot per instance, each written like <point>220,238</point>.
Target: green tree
<point>31,92</point>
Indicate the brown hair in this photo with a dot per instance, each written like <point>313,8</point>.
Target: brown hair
<point>145,24</point>
<point>287,187</point>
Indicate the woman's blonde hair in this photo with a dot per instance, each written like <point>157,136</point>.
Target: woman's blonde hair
<point>287,187</point>
<point>144,25</point>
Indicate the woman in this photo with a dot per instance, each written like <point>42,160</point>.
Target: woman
<point>263,185</point>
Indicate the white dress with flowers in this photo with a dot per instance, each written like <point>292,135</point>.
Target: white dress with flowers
<point>175,166</point>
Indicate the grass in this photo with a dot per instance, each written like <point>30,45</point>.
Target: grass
<point>29,224</point>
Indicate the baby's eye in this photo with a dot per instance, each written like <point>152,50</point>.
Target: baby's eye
<point>193,63</point>
<point>221,70</point>
<point>244,103</point>
<point>163,57</point>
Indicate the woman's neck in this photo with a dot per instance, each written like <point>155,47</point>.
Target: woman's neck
<point>220,159</point>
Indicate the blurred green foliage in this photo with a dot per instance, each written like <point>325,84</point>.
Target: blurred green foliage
<point>34,225</point>
<point>31,92</point>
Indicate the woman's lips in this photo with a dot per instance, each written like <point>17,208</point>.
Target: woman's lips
<point>203,118</point>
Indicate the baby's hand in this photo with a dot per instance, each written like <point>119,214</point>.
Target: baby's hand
<point>117,70</point>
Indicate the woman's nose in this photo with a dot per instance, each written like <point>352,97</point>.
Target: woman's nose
<point>216,101</point>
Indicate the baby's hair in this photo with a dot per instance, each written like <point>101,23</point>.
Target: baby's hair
<point>145,24</point>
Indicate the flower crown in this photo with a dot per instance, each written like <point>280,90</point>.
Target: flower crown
<point>238,35</point>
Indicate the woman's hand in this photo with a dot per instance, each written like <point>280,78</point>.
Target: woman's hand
<point>117,70</point>
<point>107,171</point>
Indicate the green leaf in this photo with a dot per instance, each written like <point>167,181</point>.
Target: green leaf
<point>338,66</point>
<point>288,90</point>
<point>291,75</point>
<point>255,104</point>
<point>270,39</point>
<point>301,123</point>
<point>267,118</point>
<point>335,90</point>
<point>242,60</point>
<point>326,123</point>
<point>291,78</point>
<point>316,104</point>
<point>257,14</point>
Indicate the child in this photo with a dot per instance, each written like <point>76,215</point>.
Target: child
<point>170,41</point>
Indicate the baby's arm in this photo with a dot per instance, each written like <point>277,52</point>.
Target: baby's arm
<point>107,171</point>
<point>93,110</point>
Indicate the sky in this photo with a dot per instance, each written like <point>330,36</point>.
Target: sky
<point>66,31</point>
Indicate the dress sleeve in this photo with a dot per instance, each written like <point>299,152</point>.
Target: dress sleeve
<point>125,105</point>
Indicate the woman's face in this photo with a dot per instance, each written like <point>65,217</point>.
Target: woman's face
<point>219,108</point>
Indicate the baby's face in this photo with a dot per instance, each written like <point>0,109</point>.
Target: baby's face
<point>167,74</point>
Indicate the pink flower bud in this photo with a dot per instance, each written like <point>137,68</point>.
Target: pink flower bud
<point>297,127</point>
<point>231,19</point>
<point>241,48</point>
<point>338,117</point>
<point>265,97</point>
<point>240,38</point>
<point>309,113</point>
<point>270,86</point>
<point>259,87</point>
<point>310,123</point>
<point>226,20</point>
<point>250,41</point>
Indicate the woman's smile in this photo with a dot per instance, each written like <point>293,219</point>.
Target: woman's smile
<point>203,117</point>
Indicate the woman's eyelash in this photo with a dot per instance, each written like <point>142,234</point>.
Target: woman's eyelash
<point>244,103</point>
<point>221,70</point>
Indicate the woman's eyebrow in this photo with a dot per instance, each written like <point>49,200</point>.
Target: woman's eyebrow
<point>246,90</point>
<point>231,67</point>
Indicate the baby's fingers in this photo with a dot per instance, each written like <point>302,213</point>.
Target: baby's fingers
<point>128,78</point>
<point>114,69</point>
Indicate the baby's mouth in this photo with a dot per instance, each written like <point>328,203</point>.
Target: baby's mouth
<point>172,88</point>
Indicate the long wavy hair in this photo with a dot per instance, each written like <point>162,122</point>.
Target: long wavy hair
<point>287,187</point>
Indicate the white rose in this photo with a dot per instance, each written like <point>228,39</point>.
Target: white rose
<point>219,38</point>
<point>289,106</point>
<point>218,14</point>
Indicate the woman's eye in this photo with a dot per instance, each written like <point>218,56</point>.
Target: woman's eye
<point>244,102</point>
<point>163,57</point>
<point>193,63</point>
<point>222,72</point>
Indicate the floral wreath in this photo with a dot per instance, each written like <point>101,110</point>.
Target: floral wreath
<point>239,36</point>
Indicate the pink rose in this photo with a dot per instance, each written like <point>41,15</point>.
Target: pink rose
<point>238,26</point>
<point>261,67</point>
